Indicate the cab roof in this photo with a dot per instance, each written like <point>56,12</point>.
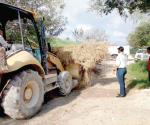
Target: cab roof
<point>9,12</point>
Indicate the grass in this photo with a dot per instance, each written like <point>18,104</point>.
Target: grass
<point>137,75</point>
<point>60,43</point>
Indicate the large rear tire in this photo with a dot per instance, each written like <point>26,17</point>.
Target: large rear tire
<point>24,96</point>
<point>65,83</point>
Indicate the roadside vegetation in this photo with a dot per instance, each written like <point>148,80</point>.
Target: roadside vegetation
<point>137,76</point>
<point>141,36</point>
<point>56,42</point>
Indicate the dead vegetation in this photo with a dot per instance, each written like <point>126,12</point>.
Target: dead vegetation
<point>86,54</point>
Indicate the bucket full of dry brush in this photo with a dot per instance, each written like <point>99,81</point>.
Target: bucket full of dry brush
<point>81,59</point>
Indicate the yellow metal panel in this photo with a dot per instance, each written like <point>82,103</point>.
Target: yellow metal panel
<point>74,70</point>
<point>54,60</point>
<point>21,59</point>
<point>34,14</point>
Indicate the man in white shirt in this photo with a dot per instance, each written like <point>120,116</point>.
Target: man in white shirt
<point>121,64</point>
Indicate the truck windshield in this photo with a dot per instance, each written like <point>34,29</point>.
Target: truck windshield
<point>141,51</point>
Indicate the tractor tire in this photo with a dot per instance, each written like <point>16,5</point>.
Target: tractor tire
<point>24,96</point>
<point>65,83</point>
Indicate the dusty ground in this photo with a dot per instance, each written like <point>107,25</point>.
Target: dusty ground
<point>96,105</point>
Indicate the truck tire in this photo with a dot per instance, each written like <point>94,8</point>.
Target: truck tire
<point>65,83</point>
<point>24,96</point>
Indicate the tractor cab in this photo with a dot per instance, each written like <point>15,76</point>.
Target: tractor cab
<point>23,31</point>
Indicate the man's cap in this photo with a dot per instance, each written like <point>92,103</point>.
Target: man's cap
<point>121,48</point>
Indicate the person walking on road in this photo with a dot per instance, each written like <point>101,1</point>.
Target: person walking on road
<point>121,70</point>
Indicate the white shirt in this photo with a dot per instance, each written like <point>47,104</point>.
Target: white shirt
<point>121,60</point>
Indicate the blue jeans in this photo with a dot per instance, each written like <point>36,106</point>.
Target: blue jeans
<point>121,72</point>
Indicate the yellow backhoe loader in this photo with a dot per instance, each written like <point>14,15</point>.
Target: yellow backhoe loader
<point>28,68</point>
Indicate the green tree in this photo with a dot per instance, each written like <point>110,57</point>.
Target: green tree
<point>107,6</point>
<point>141,36</point>
<point>50,9</point>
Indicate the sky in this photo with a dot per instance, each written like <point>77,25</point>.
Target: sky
<point>78,15</point>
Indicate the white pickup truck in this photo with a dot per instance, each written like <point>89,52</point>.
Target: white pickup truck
<point>141,54</point>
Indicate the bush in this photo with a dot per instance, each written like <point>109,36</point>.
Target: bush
<point>137,75</point>
<point>140,66</point>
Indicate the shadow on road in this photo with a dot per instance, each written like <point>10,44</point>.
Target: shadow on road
<point>103,81</point>
<point>54,100</point>
<point>141,84</point>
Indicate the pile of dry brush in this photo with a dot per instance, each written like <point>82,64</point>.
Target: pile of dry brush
<point>87,55</point>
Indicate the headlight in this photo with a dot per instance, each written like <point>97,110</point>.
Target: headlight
<point>3,61</point>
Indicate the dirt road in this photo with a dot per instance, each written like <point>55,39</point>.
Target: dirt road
<point>96,105</point>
